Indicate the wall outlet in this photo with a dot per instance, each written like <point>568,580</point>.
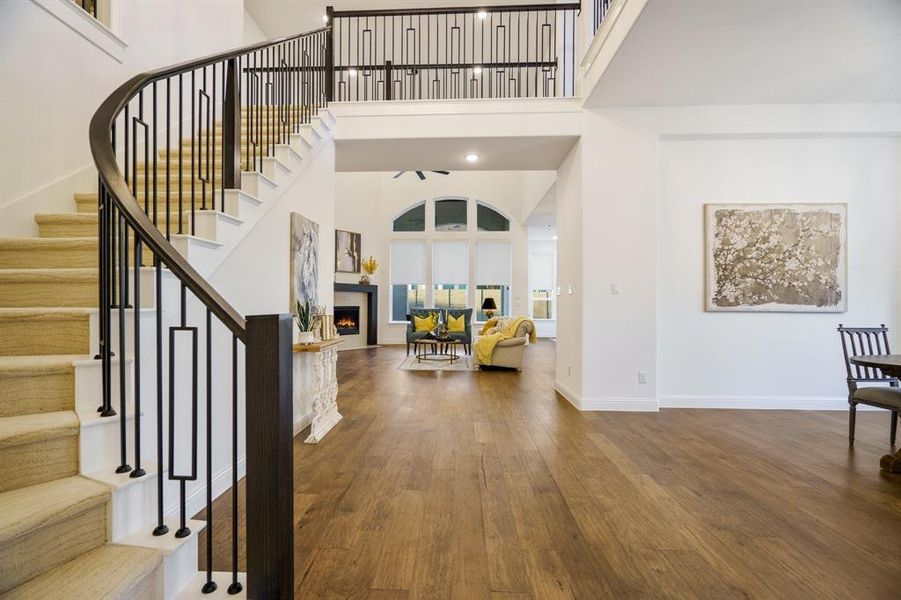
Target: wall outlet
<point>569,371</point>
<point>642,377</point>
<point>614,288</point>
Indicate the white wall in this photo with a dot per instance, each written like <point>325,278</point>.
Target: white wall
<point>53,79</point>
<point>570,249</point>
<point>255,278</point>
<point>633,162</point>
<point>705,355</point>
<point>368,203</point>
<point>252,32</point>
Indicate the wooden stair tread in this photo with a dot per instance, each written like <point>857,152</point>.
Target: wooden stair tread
<point>13,366</point>
<point>42,313</point>
<point>29,508</point>
<point>110,572</point>
<point>70,243</point>
<point>28,429</point>
<point>49,275</point>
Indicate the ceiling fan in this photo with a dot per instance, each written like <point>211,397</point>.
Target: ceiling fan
<point>421,174</point>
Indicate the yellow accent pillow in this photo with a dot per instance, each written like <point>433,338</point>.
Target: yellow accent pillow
<point>456,324</point>
<point>423,323</point>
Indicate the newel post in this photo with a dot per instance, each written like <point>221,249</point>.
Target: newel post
<point>231,128</point>
<point>270,457</point>
<point>330,55</point>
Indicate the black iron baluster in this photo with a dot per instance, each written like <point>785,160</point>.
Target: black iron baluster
<point>195,150</point>
<point>212,121</point>
<point>210,586</point>
<point>168,157</point>
<point>122,262</point>
<point>183,530</point>
<point>181,153</point>
<point>161,528</point>
<point>235,586</point>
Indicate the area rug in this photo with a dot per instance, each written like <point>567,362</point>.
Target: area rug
<point>464,363</point>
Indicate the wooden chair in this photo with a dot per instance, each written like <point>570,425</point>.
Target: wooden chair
<point>863,341</point>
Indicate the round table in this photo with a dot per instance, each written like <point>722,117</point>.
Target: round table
<point>442,349</point>
<point>890,365</point>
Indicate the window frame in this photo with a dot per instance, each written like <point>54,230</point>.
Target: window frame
<point>471,236</point>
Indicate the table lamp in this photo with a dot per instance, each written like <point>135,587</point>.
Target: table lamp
<point>489,307</point>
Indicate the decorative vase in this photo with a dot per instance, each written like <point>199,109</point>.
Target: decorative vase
<point>364,279</point>
<point>305,337</point>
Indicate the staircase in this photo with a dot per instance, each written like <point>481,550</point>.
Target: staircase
<point>65,515</point>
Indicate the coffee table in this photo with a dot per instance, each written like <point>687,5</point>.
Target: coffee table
<point>436,349</point>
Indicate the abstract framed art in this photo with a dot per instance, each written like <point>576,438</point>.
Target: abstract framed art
<point>776,257</point>
<point>347,251</point>
<point>304,261</point>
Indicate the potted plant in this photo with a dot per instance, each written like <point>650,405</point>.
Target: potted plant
<point>370,266</point>
<point>305,323</point>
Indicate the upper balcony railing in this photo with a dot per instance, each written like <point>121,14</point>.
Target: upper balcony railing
<point>523,51</point>
<point>599,10</point>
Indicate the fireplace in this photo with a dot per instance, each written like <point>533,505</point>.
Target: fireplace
<point>347,320</point>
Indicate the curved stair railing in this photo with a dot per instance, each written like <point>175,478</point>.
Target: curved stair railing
<point>170,145</point>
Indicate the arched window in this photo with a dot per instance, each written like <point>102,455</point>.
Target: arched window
<point>434,269</point>
<point>450,215</point>
<point>411,220</point>
<point>490,220</point>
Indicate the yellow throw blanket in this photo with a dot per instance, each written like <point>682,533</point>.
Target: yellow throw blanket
<point>484,346</point>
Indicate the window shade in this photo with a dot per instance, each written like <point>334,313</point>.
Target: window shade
<point>541,271</point>
<point>493,263</point>
<point>407,262</point>
<point>450,262</point>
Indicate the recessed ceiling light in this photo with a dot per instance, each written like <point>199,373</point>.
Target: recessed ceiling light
<point>352,72</point>
<point>477,70</point>
<point>555,237</point>
<point>482,14</point>
<point>472,158</point>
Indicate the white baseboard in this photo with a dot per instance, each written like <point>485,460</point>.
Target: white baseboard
<point>597,403</point>
<point>620,404</point>
<point>760,402</point>
<point>303,422</point>
<point>572,397</point>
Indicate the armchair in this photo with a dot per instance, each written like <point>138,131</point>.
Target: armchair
<point>464,337</point>
<point>413,335</point>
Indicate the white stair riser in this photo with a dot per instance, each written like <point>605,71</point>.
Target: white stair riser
<point>89,384</point>
<point>289,157</point>
<point>134,507</point>
<point>218,227</point>
<point>147,321</point>
<point>203,255</point>
<point>259,186</point>
<point>180,567</point>
<point>242,205</point>
<point>98,442</point>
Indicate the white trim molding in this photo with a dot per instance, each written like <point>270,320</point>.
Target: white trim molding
<point>760,402</point>
<point>598,403</point>
<point>92,30</point>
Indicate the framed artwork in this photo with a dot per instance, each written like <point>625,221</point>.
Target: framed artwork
<point>304,261</point>
<point>347,251</point>
<point>776,257</point>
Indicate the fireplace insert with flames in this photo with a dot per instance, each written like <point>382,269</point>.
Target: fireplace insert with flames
<point>347,320</point>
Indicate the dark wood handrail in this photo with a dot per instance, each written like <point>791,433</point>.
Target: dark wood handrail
<point>114,182</point>
<point>395,12</point>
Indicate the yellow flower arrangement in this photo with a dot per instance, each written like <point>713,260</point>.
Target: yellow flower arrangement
<point>370,265</point>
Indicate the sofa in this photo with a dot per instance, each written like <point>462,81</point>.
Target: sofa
<point>464,337</point>
<point>509,353</point>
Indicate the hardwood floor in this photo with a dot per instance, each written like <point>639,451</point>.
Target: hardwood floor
<point>489,486</point>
